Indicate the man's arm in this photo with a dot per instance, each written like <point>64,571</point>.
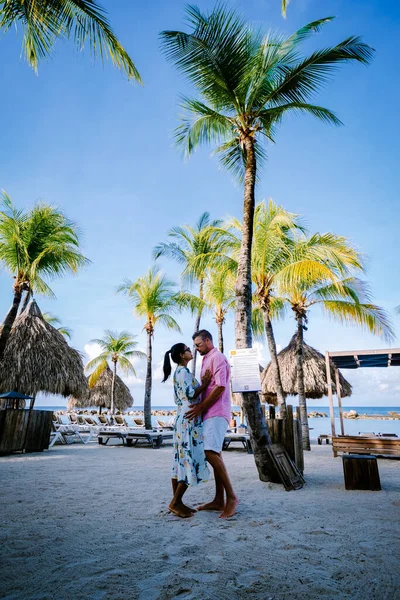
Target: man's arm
<point>198,409</point>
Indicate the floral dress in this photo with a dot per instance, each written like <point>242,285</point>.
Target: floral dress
<point>189,461</point>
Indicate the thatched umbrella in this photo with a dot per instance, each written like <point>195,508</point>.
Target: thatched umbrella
<point>100,393</point>
<point>315,382</point>
<point>38,359</point>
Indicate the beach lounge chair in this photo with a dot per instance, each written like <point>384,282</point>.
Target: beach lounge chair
<point>66,434</point>
<point>119,420</point>
<point>243,438</point>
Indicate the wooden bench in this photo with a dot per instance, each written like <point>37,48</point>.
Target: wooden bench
<point>358,444</point>
<point>325,437</point>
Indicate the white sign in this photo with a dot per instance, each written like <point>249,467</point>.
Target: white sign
<point>245,371</point>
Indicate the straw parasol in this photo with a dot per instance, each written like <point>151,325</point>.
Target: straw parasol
<point>38,359</point>
<point>315,381</point>
<point>100,393</point>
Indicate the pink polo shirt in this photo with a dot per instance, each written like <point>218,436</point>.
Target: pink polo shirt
<point>218,364</point>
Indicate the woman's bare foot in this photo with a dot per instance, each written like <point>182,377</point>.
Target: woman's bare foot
<point>230,508</point>
<point>214,505</point>
<point>181,510</point>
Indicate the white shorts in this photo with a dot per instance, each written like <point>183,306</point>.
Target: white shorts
<point>214,431</point>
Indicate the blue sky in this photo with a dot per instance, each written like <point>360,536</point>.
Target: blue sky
<point>80,136</point>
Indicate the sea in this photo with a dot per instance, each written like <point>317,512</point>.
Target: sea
<point>321,425</point>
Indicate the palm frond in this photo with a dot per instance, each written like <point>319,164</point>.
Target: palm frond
<point>44,21</point>
<point>370,317</point>
<point>100,367</point>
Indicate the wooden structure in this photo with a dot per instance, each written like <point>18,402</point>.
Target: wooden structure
<point>353,359</point>
<point>24,430</point>
<point>360,444</point>
<point>361,472</point>
<point>287,432</point>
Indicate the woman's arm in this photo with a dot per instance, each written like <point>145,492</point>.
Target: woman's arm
<point>205,380</point>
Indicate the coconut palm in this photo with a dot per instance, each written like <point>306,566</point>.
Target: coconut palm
<point>36,245</point>
<point>198,249</point>
<point>44,21</point>
<point>219,296</point>
<point>319,272</point>
<point>247,82</point>
<point>119,349</point>
<point>154,297</point>
<point>273,226</point>
<point>53,320</point>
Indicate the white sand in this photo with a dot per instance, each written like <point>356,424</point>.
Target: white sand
<point>91,522</point>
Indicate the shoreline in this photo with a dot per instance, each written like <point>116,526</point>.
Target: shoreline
<point>390,416</point>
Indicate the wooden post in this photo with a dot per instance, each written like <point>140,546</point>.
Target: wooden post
<point>271,411</point>
<point>339,400</point>
<point>329,380</point>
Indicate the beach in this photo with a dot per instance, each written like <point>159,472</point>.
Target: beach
<point>91,522</point>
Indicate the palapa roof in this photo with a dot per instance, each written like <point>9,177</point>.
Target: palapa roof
<point>37,358</point>
<point>315,381</point>
<point>100,393</point>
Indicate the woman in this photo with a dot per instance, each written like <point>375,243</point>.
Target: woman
<point>189,461</point>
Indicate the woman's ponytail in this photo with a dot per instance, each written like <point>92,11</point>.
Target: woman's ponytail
<point>167,366</point>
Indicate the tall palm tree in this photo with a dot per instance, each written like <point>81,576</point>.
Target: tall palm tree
<point>198,249</point>
<point>53,320</point>
<point>154,297</point>
<point>246,83</point>
<point>319,273</point>
<point>44,21</point>
<point>273,226</point>
<point>34,245</point>
<point>119,349</point>
<point>219,296</point>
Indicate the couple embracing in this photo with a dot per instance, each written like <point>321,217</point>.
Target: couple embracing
<point>203,415</point>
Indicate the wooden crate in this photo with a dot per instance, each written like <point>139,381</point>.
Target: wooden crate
<point>24,430</point>
<point>361,472</point>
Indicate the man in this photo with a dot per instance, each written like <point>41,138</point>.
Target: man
<point>215,407</point>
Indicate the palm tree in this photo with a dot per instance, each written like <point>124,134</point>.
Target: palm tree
<point>44,21</point>
<point>153,297</point>
<point>53,320</point>
<point>219,296</point>
<point>198,249</point>
<point>319,272</point>
<point>119,349</point>
<point>34,245</point>
<point>273,226</point>
<point>247,82</point>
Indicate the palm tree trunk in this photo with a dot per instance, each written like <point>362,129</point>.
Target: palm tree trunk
<point>259,434</point>
<point>300,384</point>
<point>274,363</point>
<point>113,388</point>
<point>220,336</point>
<point>9,320</point>
<point>26,300</point>
<point>197,327</point>
<point>243,294</point>
<point>147,393</point>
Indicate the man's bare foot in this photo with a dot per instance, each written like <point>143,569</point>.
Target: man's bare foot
<point>230,508</point>
<point>211,506</point>
<point>181,510</point>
